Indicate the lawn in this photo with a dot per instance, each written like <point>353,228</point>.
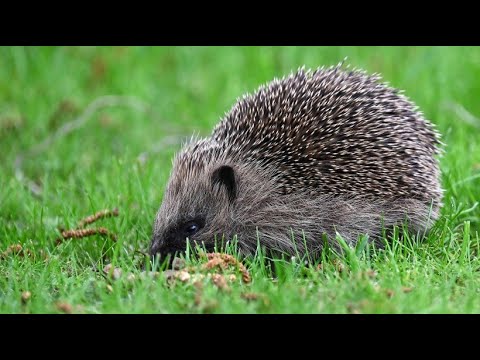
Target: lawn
<point>84,129</point>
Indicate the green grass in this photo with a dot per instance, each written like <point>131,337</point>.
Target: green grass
<point>187,90</point>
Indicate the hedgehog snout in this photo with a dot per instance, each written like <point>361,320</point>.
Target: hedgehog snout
<point>155,245</point>
<point>174,237</point>
<point>163,242</point>
<point>165,249</point>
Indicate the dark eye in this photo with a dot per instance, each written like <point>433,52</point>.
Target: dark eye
<point>191,228</point>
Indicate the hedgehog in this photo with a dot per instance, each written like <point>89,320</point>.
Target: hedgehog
<point>302,160</point>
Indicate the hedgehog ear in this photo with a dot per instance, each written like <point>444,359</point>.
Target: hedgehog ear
<point>225,176</point>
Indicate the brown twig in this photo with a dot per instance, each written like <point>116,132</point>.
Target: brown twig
<point>81,233</point>
<point>16,249</point>
<point>98,215</point>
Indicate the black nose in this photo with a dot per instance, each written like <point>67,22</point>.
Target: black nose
<point>155,246</point>
<point>163,256</point>
<point>164,247</point>
<point>158,250</point>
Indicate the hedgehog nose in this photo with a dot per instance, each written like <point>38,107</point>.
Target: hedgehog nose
<point>155,246</point>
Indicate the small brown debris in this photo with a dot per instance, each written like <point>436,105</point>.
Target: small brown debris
<point>223,260</point>
<point>389,293</point>
<point>81,233</point>
<point>371,273</point>
<point>220,282</point>
<point>320,267</point>
<point>107,268</point>
<point>178,263</point>
<point>249,296</point>
<point>15,249</point>
<point>407,289</point>
<point>64,307</point>
<point>339,266</point>
<point>113,272</point>
<point>353,309</point>
<point>43,254</point>
<point>215,262</point>
<point>208,306</point>
<point>26,295</point>
<point>117,273</point>
<point>98,215</point>
<point>183,276</point>
<point>170,275</point>
<point>232,278</point>
<point>197,278</point>
<point>359,307</point>
<point>198,293</point>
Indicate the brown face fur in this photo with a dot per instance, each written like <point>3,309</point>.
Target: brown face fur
<point>191,208</point>
<point>211,197</point>
<point>199,201</point>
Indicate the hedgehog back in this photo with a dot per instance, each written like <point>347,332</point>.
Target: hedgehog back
<point>335,132</point>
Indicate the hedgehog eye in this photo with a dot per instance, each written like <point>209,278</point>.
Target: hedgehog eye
<point>190,228</point>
